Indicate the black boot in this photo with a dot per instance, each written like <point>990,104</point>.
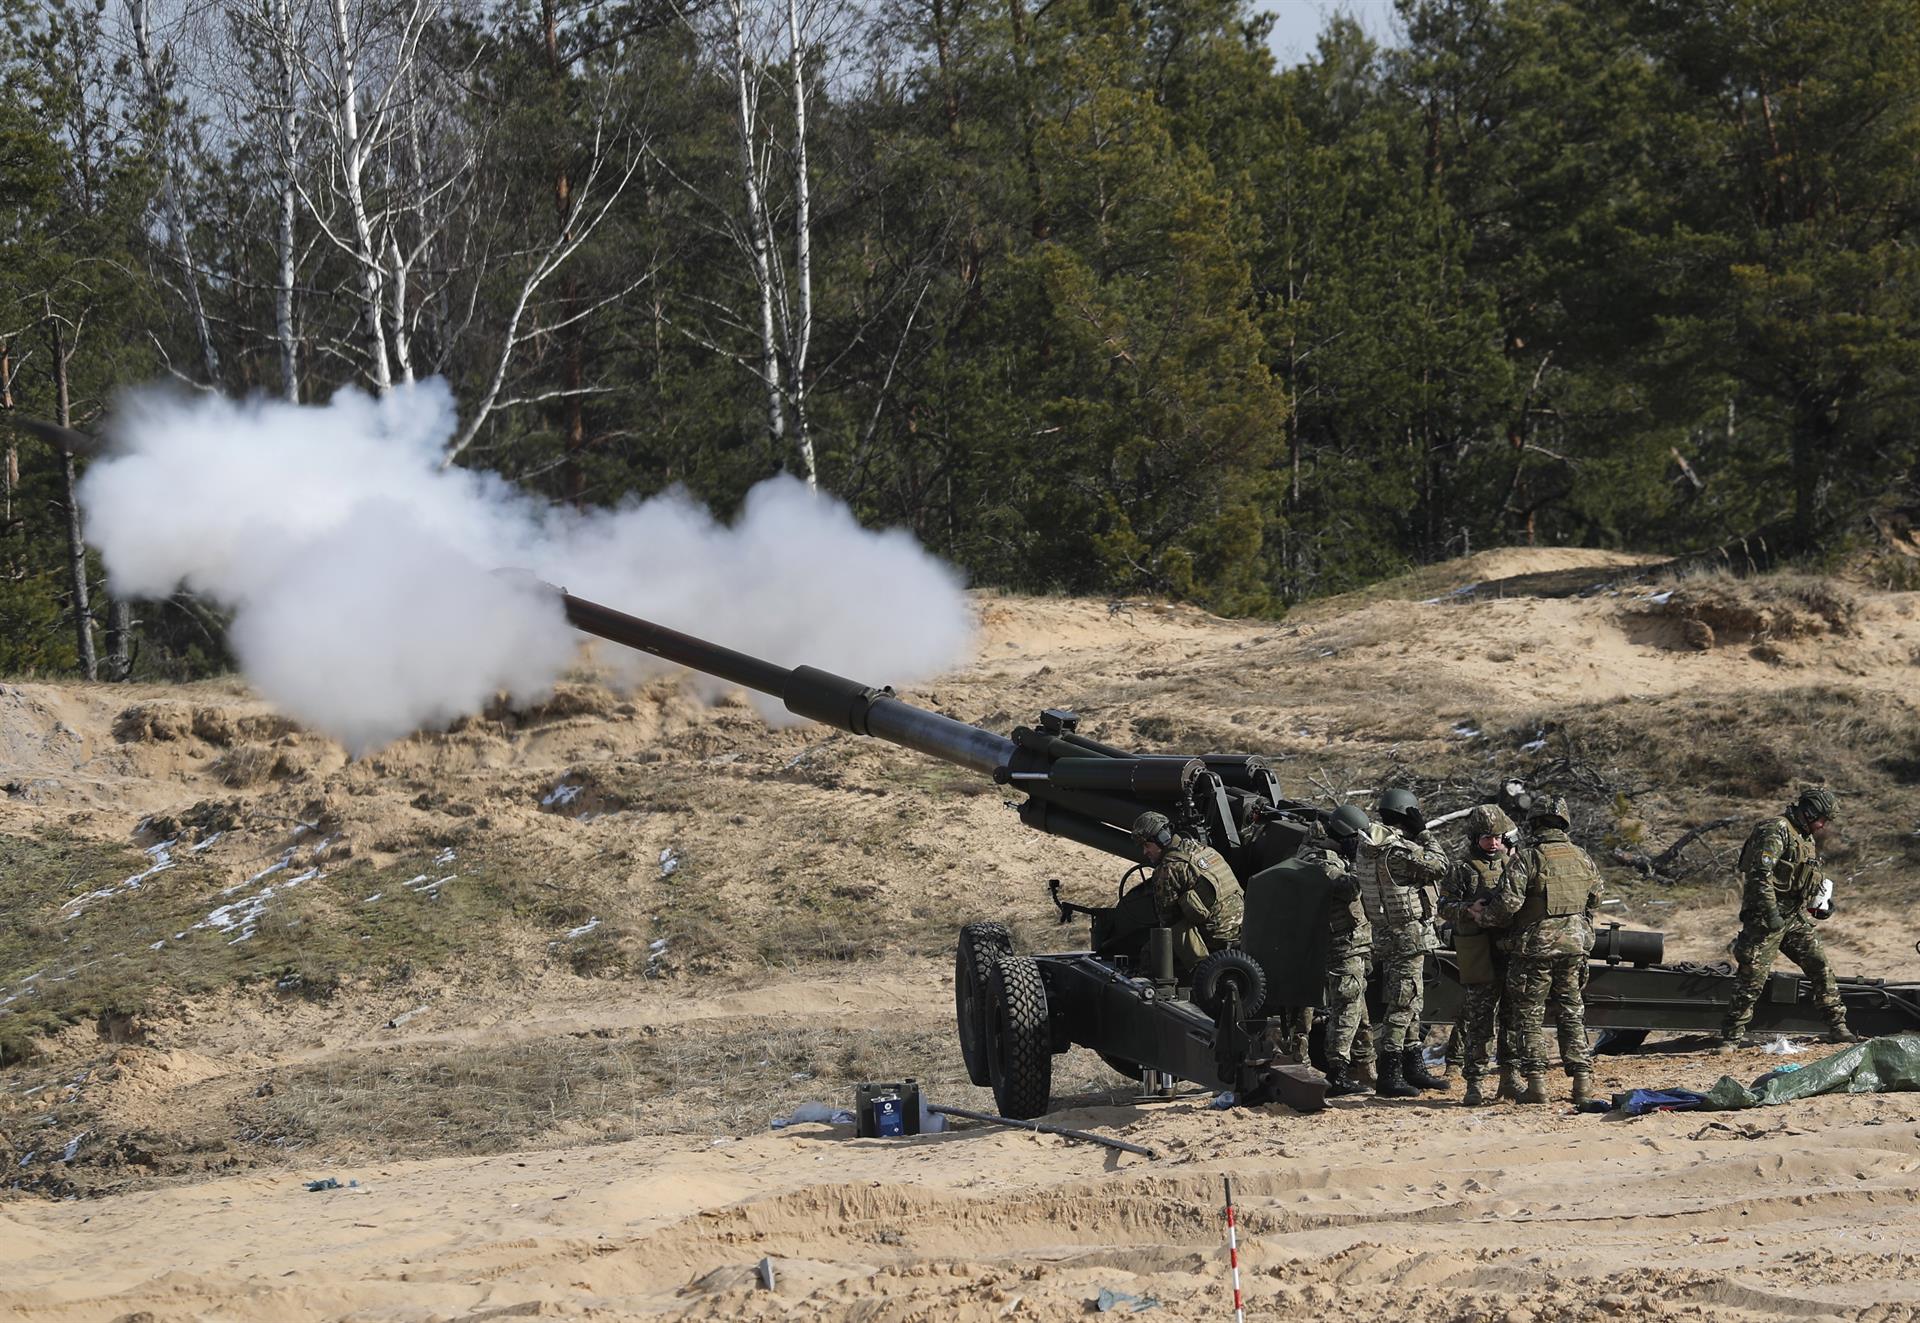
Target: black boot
<point>1340,1081</point>
<point>1413,1069</point>
<point>1390,1082</point>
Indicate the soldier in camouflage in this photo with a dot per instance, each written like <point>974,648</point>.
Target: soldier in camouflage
<point>1779,873</point>
<point>1349,941</point>
<point>1194,891</point>
<point>1398,863</point>
<point>1548,903</point>
<point>1464,894</point>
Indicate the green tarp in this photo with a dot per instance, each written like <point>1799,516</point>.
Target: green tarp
<point>1879,1065</point>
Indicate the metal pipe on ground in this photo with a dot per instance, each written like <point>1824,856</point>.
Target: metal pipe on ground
<point>1085,1136</point>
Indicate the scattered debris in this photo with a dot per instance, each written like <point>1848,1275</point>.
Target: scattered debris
<point>1109,1300</point>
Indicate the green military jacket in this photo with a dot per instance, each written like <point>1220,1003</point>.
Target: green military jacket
<point>1397,873</point>
<point>1548,898</point>
<point>1473,879</point>
<point>1193,887</point>
<point>1779,872</point>
<point>1348,932</point>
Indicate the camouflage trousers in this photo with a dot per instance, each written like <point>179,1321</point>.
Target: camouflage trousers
<point>1485,1012</point>
<point>1403,990</point>
<point>1756,949</point>
<point>1290,1036</point>
<point>1346,1005</point>
<point>1539,986</point>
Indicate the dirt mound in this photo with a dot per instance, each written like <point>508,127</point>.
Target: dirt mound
<point>539,982</point>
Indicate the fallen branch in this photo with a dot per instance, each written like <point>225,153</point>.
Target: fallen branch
<point>1658,866</point>
<point>1086,1136</point>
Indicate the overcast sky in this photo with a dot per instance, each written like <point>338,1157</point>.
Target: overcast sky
<point>1297,23</point>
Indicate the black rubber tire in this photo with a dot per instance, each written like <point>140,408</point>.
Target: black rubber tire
<point>1121,1066</point>
<point>1019,1042</point>
<point>980,945</point>
<point>1212,975</point>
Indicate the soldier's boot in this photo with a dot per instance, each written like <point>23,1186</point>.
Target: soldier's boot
<point>1582,1088</point>
<point>1837,1030</point>
<point>1510,1085</point>
<point>1536,1090</point>
<point>1473,1097</point>
<point>1413,1069</point>
<point>1340,1081</point>
<point>1388,1080</point>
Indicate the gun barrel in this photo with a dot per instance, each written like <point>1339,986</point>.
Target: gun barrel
<point>805,691</point>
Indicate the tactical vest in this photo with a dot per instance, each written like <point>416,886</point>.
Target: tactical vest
<point>1794,874</point>
<point>1387,902</point>
<point>1558,884</point>
<point>1222,924</point>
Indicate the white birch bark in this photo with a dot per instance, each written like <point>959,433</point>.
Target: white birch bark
<point>140,15</point>
<point>800,335</point>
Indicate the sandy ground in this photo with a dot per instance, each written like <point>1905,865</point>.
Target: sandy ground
<point>1372,1210</point>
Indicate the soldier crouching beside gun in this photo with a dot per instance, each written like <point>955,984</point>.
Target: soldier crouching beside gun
<point>1548,902</point>
<point>1483,967</point>
<point>1194,891</point>
<point>1780,879</point>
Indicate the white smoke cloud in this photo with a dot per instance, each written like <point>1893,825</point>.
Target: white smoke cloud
<point>362,575</point>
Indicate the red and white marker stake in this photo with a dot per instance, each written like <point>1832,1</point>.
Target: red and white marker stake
<point>1233,1253</point>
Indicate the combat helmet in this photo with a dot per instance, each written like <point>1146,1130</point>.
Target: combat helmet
<point>1347,822</point>
<point>1155,827</point>
<point>1487,820</point>
<point>1401,807</point>
<point>1815,802</point>
<point>1550,813</point>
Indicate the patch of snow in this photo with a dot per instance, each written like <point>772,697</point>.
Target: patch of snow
<point>1659,599</point>
<point>1533,746</point>
<point>1466,730</point>
<point>583,929</point>
<point>206,844</point>
<point>157,945</point>
<point>375,896</point>
<point>669,861</point>
<point>445,856</point>
<point>563,794</point>
<point>162,857</point>
<point>73,1146</point>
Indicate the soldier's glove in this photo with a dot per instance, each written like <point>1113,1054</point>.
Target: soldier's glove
<point>1773,921</point>
<point>1821,906</point>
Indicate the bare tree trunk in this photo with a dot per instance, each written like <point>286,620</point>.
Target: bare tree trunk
<point>169,194</point>
<point>284,51</point>
<point>119,639</point>
<point>76,542</point>
<point>801,337</point>
<point>759,236</point>
<point>353,161</point>
<point>573,372</point>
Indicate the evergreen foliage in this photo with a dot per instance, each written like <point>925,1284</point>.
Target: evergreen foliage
<point>1101,300</point>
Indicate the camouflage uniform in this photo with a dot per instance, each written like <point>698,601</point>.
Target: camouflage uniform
<point>1547,901</point>
<point>1779,871</point>
<point>1196,894</point>
<point>1350,939</point>
<point>1397,875</point>
<point>1482,965</point>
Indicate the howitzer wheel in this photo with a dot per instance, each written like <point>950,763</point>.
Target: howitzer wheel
<point>1019,1042</point>
<point>1229,968</point>
<point>980,945</point>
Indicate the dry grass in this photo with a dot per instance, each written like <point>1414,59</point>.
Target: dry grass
<point>1757,609</point>
<point>723,1078</point>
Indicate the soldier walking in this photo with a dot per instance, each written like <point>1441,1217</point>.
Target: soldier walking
<point>1482,965</point>
<point>1194,891</point>
<point>1779,873</point>
<point>1548,903</point>
<point>1399,862</point>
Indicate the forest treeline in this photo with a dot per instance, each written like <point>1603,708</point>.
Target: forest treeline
<point>1087,294</point>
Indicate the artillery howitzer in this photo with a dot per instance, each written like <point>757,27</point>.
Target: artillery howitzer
<point>1118,996</point>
